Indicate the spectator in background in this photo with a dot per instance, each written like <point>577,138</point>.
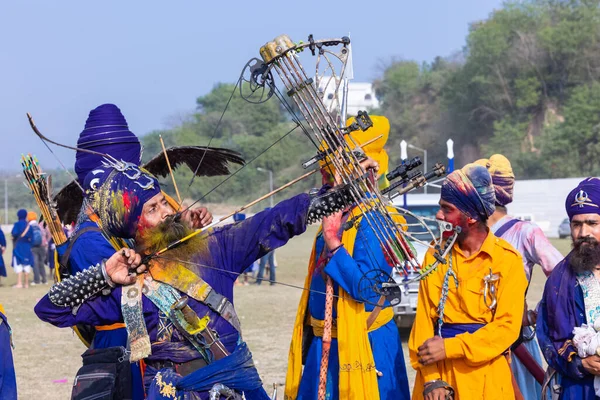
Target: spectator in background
<point>270,259</point>
<point>37,249</point>
<point>22,258</point>
<point>2,250</point>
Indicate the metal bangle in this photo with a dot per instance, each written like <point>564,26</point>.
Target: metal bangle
<point>105,275</point>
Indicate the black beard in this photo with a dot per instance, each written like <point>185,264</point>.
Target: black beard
<point>165,233</point>
<point>585,258</point>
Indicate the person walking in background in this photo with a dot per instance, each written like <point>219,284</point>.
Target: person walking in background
<point>267,259</point>
<point>2,250</point>
<point>22,258</point>
<point>37,249</point>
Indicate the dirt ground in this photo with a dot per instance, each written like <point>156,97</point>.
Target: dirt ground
<point>47,358</point>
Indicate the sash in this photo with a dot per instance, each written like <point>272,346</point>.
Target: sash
<point>236,371</point>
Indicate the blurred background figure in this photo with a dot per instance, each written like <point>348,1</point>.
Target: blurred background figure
<point>269,258</point>
<point>2,250</point>
<point>22,258</point>
<point>38,250</point>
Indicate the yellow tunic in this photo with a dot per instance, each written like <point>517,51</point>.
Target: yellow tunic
<point>475,365</point>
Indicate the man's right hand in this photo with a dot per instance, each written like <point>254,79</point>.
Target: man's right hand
<point>592,364</point>
<point>437,394</point>
<point>122,266</point>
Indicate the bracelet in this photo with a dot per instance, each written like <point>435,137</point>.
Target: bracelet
<point>105,275</point>
<point>332,252</point>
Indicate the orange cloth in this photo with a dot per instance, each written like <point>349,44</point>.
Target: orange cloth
<point>111,327</point>
<point>475,365</point>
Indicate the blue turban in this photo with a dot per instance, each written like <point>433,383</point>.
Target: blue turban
<point>22,214</point>
<point>119,196</point>
<point>584,199</point>
<point>470,190</point>
<point>106,131</point>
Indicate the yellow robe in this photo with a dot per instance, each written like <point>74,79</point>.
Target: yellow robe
<point>475,365</point>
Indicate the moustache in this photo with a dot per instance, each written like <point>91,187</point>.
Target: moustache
<point>589,240</point>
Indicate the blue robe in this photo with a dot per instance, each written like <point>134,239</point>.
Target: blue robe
<point>8,382</point>
<point>231,249</point>
<point>2,244</point>
<point>22,245</point>
<point>562,308</point>
<point>347,272</point>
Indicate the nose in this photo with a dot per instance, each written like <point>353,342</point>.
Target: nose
<point>439,215</point>
<point>584,231</point>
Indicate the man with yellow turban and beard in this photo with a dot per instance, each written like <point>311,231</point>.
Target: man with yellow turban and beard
<point>470,309</point>
<point>365,354</point>
<point>535,248</point>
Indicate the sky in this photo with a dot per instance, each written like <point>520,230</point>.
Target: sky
<point>60,59</point>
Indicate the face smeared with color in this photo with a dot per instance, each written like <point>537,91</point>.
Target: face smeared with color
<point>450,213</point>
<point>154,212</point>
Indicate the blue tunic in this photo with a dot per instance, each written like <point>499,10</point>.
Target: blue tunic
<point>2,244</point>
<point>231,249</point>
<point>562,308</point>
<point>89,249</point>
<point>22,245</point>
<point>8,382</point>
<point>347,271</point>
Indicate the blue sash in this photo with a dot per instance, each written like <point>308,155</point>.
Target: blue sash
<point>235,371</point>
<point>451,330</point>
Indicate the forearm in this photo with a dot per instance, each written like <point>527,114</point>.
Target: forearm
<point>66,304</point>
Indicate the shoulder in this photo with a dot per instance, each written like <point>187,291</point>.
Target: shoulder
<point>501,246</point>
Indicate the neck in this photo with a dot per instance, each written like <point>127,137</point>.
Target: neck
<point>472,241</point>
<point>496,216</point>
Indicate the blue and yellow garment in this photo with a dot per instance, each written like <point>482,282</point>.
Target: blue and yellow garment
<point>365,363</point>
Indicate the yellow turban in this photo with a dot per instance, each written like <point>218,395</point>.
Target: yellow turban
<point>375,150</point>
<point>503,177</point>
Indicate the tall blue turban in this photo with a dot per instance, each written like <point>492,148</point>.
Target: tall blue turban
<point>118,196</point>
<point>470,190</point>
<point>584,199</point>
<point>106,131</point>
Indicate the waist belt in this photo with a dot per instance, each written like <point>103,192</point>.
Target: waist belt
<point>183,369</point>
<point>112,327</point>
<point>451,330</point>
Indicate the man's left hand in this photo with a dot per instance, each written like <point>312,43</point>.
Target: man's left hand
<point>432,351</point>
<point>198,217</point>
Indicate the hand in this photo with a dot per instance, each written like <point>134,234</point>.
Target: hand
<point>432,351</point>
<point>123,266</point>
<point>437,394</point>
<point>591,364</point>
<point>198,217</point>
<point>331,229</point>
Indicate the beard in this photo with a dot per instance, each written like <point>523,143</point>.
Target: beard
<point>586,255</point>
<point>163,234</point>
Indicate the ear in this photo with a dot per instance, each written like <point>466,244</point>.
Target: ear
<point>472,221</point>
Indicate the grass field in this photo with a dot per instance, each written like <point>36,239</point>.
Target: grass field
<point>47,358</point>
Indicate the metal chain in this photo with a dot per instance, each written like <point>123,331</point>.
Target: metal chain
<point>445,287</point>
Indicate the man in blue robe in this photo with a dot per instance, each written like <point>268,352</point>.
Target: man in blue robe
<point>130,205</point>
<point>22,259</point>
<point>570,301</point>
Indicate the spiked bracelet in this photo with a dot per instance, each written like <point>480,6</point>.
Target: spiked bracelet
<point>326,204</point>
<point>73,291</point>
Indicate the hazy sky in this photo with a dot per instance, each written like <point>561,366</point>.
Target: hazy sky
<point>59,59</point>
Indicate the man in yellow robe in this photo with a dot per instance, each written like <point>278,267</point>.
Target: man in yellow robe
<point>470,309</point>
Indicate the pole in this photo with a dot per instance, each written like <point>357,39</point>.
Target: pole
<point>6,201</point>
<point>450,155</point>
<point>403,157</point>
<point>271,186</point>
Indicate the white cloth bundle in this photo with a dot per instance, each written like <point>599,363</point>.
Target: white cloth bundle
<point>587,342</point>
